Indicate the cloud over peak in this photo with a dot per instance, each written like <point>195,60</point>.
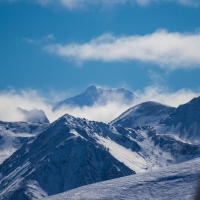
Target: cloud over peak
<point>31,99</point>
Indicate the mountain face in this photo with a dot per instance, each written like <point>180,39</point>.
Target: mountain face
<point>66,155</point>
<point>184,122</point>
<point>174,182</point>
<point>145,114</point>
<point>14,134</point>
<point>94,95</point>
<point>73,152</point>
<point>34,116</point>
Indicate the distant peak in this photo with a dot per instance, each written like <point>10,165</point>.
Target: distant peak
<point>91,88</point>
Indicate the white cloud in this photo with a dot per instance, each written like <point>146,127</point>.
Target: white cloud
<point>167,49</point>
<point>74,4</point>
<point>165,96</point>
<point>30,99</point>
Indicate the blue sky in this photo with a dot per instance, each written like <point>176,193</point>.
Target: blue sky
<point>27,28</point>
<point>65,46</point>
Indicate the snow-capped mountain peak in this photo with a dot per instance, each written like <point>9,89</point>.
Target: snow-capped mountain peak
<point>144,114</point>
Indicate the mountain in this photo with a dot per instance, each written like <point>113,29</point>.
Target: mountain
<point>94,95</point>
<point>72,152</point>
<point>68,154</point>
<point>145,114</point>
<point>174,182</point>
<point>14,134</point>
<point>34,116</point>
<point>183,122</point>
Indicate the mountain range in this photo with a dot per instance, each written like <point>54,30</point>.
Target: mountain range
<point>149,142</point>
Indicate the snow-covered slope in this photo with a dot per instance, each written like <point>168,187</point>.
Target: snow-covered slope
<point>94,95</point>
<point>175,182</point>
<point>34,116</point>
<point>14,134</point>
<point>145,114</point>
<point>183,122</point>
<point>73,152</point>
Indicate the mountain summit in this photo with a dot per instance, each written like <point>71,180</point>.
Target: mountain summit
<point>94,95</point>
<point>144,114</point>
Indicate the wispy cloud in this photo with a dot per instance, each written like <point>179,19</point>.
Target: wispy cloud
<point>30,99</point>
<point>183,2</point>
<point>45,39</point>
<point>74,4</point>
<point>167,49</point>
